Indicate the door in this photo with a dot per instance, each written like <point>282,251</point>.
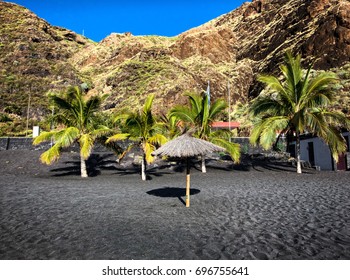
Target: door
<point>292,150</point>
<point>310,148</point>
<point>341,165</point>
<point>342,161</point>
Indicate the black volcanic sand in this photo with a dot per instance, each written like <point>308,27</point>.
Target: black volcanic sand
<point>253,211</point>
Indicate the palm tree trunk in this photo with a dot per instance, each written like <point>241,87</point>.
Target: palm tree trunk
<point>143,168</point>
<point>204,168</point>
<point>188,182</point>
<point>83,171</point>
<point>298,152</point>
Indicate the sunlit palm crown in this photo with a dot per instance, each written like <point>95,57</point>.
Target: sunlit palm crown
<point>297,104</point>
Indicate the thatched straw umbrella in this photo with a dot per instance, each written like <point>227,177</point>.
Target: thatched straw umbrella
<point>186,146</point>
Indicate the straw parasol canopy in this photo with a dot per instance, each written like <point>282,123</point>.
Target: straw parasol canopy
<point>186,146</point>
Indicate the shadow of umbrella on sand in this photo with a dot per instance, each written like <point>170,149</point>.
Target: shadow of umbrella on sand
<point>186,146</point>
<point>172,192</point>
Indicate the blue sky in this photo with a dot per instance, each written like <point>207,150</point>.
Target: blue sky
<point>98,19</point>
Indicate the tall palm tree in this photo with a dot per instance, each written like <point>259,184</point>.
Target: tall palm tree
<point>199,115</point>
<point>143,129</point>
<point>76,114</point>
<point>296,105</point>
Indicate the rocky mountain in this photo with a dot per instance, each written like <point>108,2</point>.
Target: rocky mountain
<point>234,48</point>
<point>34,58</point>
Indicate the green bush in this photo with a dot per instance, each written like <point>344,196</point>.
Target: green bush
<point>4,118</point>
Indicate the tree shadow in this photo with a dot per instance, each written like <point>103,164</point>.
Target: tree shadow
<point>172,192</point>
<point>94,165</point>
<point>136,170</point>
<point>278,166</point>
<point>256,164</point>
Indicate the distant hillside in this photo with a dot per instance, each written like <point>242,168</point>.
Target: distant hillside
<point>34,58</point>
<point>37,57</point>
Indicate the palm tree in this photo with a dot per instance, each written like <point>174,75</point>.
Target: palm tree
<point>171,125</point>
<point>296,105</point>
<point>76,114</point>
<point>199,116</point>
<point>143,129</point>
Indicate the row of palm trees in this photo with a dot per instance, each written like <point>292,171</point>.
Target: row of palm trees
<point>78,120</point>
<point>296,104</point>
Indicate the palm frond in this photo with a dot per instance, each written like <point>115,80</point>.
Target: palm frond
<point>51,155</point>
<point>266,131</point>
<point>195,103</point>
<point>101,130</point>
<point>158,128</point>
<point>119,117</point>
<point>62,118</point>
<point>256,132</point>
<point>272,83</point>
<point>44,136</point>
<point>183,113</point>
<point>292,72</point>
<point>321,82</point>
<point>92,106</point>
<point>335,141</point>
<point>136,139</point>
<point>306,81</point>
<point>86,142</point>
<point>337,119</point>
<point>171,126</point>
<point>73,93</point>
<point>265,106</point>
<point>66,137</point>
<point>148,148</point>
<point>133,125</point>
<point>158,139</point>
<point>221,133</point>
<point>316,122</point>
<point>276,91</point>
<point>60,102</point>
<point>233,149</point>
<point>216,108</point>
<point>118,137</point>
<point>147,107</point>
<point>319,91</point>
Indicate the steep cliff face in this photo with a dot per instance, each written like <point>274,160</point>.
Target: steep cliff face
<point>318,29</point>
<point>233,49</point>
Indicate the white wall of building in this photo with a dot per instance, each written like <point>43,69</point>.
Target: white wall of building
<point>322,154</point>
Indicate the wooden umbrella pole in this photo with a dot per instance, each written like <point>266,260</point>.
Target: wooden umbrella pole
<point>188,182</point>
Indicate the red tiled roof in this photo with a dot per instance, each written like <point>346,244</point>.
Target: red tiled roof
<point>225,124</point>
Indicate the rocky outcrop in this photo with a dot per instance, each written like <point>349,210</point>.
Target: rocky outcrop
<point>216,44</point>
<point>318,29</point>
<point>34,58</point>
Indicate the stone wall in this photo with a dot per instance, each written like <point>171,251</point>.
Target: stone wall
<point>19,143</point>
<point>22,143</point>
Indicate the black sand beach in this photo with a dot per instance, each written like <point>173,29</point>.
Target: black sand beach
<point>254,211</point>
